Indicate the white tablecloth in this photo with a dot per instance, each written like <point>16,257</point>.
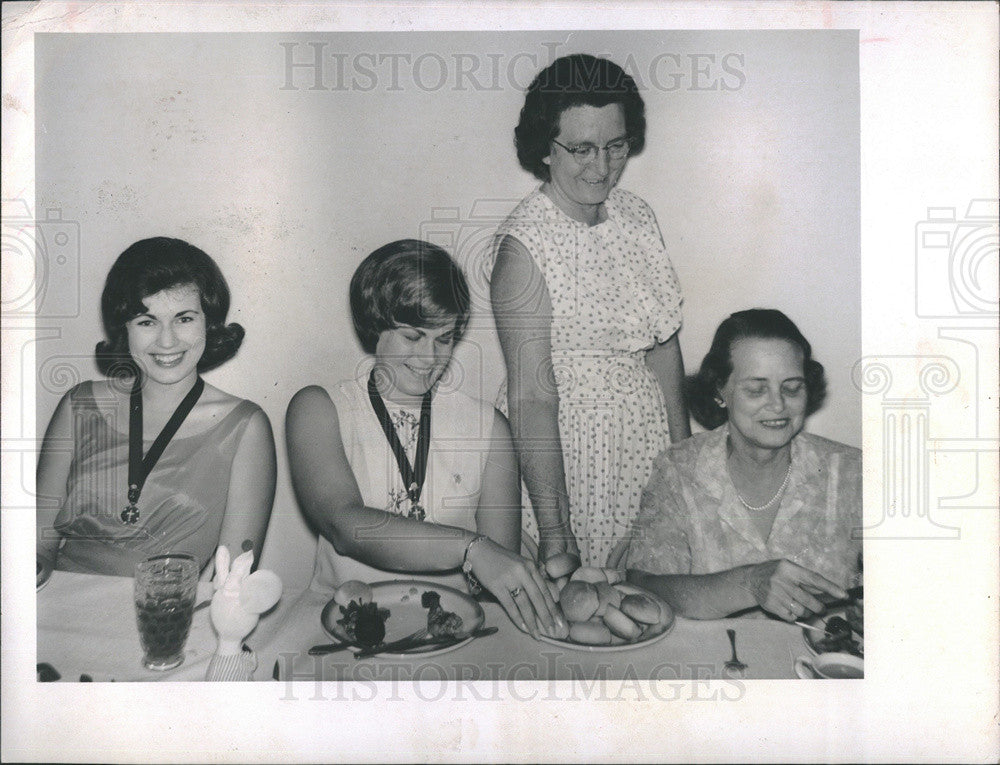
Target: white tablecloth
<point>691,650</point>
<point>86,625</point>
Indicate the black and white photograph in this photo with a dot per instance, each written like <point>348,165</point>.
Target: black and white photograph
<point>482,383</point>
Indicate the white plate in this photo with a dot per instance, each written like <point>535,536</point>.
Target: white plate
<point>629,589</point>
<point>812,637</point>
<point>407,615</point>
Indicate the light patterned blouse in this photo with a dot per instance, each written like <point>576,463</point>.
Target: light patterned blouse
<point>691,520</point>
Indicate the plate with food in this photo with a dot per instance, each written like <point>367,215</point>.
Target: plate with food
<point>368,615</point>
<point>843,631</point>
<point>603,612</point>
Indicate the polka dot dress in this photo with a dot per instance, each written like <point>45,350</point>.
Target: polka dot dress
<point>614,293</point>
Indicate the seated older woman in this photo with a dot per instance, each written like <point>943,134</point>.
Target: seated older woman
<point>755,512</point>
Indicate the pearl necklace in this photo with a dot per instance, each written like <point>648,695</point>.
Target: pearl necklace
<point>761,508</point>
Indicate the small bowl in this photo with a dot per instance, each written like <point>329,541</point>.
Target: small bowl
<point>830,666</point>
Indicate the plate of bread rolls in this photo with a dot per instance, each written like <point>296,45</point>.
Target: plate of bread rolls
<point>604,613</point>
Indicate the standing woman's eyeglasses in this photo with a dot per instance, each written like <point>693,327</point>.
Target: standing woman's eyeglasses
<point>585,153</point>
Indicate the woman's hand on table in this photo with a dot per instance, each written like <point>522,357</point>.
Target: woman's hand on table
<point>787,589</point>
<point>519,587</point>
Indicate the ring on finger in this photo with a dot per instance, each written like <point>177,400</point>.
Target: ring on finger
<point>791,607</point>
<point>515,592</point>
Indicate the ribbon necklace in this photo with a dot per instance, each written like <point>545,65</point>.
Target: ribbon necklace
<point>140,467</point>
<point>413,476</point>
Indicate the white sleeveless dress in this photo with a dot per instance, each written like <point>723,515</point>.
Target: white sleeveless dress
<point>460,440</point>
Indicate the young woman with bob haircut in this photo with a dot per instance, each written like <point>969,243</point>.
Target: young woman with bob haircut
<point>399,472</point>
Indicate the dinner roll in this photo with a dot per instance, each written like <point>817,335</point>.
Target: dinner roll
<point>588,574</point>
<point>666,614</point>
<point>648,631</point>
<point>590,633</point>
<point>620,624</point>
<point>562,564</point>
<point>614,575</point>
<point>579,601</point>
<point>353,590</point>
<point>606,594</point>
<point>641,608</point>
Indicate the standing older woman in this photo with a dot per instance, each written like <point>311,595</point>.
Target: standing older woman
<point>587,308</point>
<point>755,512</point>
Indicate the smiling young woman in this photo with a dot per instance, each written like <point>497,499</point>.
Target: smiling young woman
<point>167,339</point>
<point>160,461</point>
<point>398,475</point>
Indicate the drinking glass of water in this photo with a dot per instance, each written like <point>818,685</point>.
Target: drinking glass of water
<point>165,590</point>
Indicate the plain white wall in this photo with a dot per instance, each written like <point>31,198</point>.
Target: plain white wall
<point>288,181</point>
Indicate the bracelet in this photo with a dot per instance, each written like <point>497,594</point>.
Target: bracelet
<point>475,586</point>
<point>560,524</point>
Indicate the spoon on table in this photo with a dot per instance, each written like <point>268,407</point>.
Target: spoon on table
<point>734,663</point>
